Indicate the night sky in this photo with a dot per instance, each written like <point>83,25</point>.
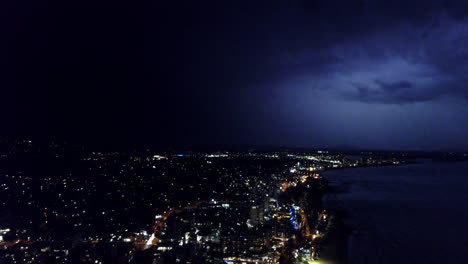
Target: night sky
<point>354,74</point>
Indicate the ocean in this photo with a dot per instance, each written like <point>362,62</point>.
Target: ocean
<point>414,213</point>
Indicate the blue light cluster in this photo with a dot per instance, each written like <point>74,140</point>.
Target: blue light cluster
<point>293,219</point>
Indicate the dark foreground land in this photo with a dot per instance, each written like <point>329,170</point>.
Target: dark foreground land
<point>62,204</point>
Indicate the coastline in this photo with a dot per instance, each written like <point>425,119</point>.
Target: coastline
<point>334,247</point>
<point>383,228</point>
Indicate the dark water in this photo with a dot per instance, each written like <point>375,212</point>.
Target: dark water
<point>405,214</point>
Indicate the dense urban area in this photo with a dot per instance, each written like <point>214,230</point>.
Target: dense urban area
<point>62,203</point>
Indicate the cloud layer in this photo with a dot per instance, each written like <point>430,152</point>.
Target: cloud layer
<point>306,73</point>
<point>403,64</point>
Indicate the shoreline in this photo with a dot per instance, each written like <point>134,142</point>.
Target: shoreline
<point>335,246</point>
<point>407,162</point>
<point>342,235</point>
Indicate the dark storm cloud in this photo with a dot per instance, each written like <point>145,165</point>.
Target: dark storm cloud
<point>375,73</point>
<point>394,87</point>
<point>398,93</point>
<point>405,63</point>
<point>225,71</point>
